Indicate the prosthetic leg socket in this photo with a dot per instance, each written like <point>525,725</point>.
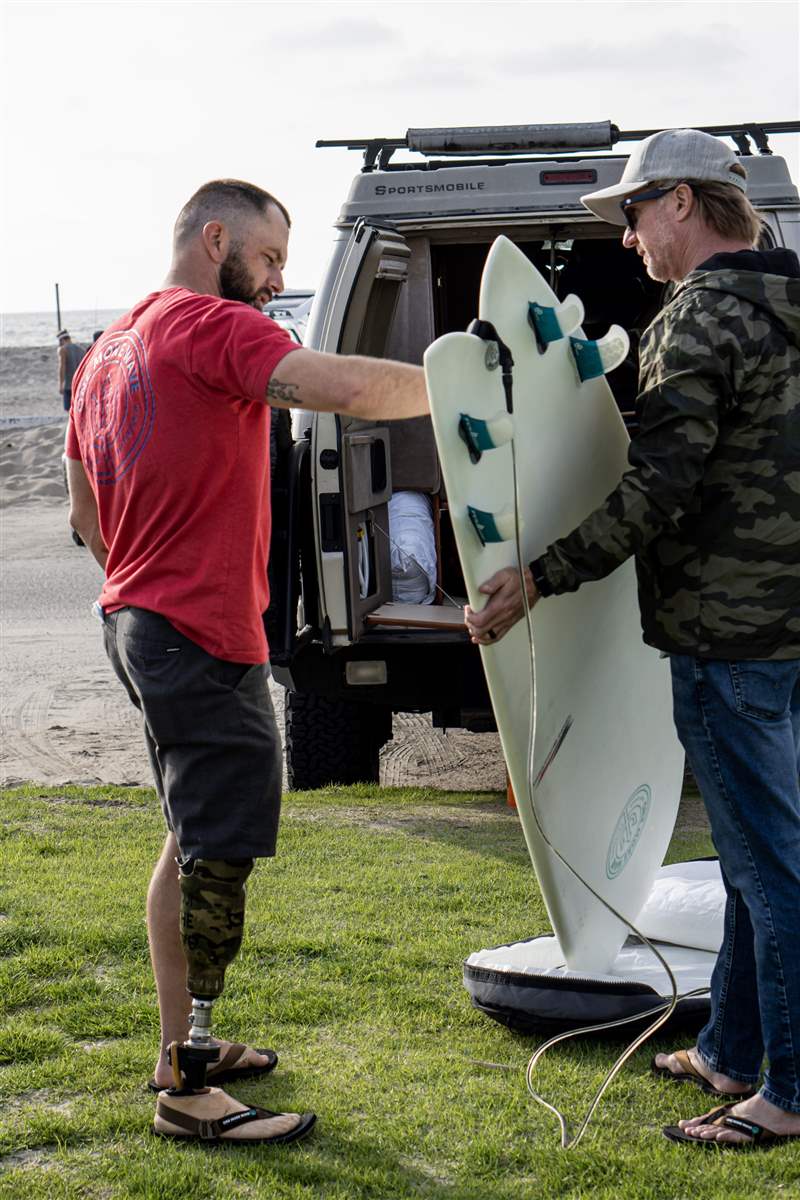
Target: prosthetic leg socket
<point>211,922</point>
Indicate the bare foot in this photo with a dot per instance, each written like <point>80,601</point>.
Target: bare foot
<point>720,1083</point>
<point>756,1109</point>
<point>213,1104</point>
<point>249,1058</point>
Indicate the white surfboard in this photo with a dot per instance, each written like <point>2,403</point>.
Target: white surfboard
<point>606,765</point>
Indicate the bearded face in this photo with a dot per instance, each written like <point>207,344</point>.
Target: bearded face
<point>236,281</point>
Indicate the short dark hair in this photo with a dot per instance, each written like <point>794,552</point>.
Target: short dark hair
<point>221,199</point>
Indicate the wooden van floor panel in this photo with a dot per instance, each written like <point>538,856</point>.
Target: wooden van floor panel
<point>419,616</point>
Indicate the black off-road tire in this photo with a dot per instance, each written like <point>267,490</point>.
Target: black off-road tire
<point>329,740</point>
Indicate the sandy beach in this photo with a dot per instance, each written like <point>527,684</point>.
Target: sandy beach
<point>29,384</point>
<point>63,716</point>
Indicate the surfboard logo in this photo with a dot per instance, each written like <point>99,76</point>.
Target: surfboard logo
<point>628,830</point>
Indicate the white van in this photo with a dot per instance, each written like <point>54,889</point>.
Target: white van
<point>410,243</point>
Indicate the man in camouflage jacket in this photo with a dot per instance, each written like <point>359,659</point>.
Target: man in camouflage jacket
<point>710,507</point>
<point>711,504</point>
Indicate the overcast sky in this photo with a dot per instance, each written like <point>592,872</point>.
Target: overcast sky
<point>117,112</point>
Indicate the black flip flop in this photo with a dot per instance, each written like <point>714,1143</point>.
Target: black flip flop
<point>225,1072</point>
<point>212,1133</point>
<point>690,1074</point>
<point>760,1138</point>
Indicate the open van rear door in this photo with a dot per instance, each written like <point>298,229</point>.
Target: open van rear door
<point>350,459</point>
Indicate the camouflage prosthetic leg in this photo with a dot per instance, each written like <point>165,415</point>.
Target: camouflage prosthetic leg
<point>212,921</point>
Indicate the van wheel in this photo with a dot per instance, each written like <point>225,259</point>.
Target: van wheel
<point>329,740</point>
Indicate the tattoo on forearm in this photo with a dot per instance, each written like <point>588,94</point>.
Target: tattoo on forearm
<point>285,392</point>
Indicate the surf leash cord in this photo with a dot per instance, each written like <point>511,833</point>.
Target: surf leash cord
<point>569,1141</point>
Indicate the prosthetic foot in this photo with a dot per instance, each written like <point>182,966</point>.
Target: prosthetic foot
<point>212,921</point>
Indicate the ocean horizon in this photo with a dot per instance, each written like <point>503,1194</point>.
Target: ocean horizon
<point>30,329</point>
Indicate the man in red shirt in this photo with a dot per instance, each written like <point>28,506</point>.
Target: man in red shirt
<point>168,468</point>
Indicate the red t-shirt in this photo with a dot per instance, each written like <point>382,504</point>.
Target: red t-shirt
<point>170,420</point>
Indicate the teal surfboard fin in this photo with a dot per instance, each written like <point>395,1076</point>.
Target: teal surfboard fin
<point>492,527</point>
<point>552,324</point>
<point>594,359</point>
<point>478,435</point>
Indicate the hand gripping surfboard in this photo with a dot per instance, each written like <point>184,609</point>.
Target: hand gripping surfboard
<point>606,770</point>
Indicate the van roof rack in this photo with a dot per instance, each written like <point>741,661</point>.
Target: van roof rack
<point>551,139</point>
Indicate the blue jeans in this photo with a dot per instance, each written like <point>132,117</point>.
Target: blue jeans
<point>739,723</point>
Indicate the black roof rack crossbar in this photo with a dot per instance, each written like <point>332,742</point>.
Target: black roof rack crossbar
<point>522,139</point>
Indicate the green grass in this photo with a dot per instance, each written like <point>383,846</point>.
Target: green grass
<point>351,969</point>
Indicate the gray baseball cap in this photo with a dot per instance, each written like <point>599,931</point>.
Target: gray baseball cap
<point>671,154</point>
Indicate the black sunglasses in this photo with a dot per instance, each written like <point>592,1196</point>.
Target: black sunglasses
<point>629,203</point>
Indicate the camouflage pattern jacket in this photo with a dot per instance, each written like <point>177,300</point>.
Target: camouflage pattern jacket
<point>711,504</point>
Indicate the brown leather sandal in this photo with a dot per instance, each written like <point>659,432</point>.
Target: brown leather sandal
<point>226,1072</point>
<point>213,1132</point>
<point>690,1074</point>
<point>760,1138</point>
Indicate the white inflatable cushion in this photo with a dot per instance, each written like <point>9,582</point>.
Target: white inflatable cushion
<point>635,963</point>
<point>686,906</point>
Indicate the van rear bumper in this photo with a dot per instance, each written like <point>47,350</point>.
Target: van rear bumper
<point>426,671</point>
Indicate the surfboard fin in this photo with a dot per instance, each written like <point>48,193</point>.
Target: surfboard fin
<point>492,527</point>
<point>552,324</point>
<point>478,435</point>
<point>594,359</point>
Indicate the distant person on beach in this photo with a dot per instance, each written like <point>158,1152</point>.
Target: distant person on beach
<point>169,477</point>
<point>69,355</point>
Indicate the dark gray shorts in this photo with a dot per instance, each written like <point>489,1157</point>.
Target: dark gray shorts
<point>211,735</point>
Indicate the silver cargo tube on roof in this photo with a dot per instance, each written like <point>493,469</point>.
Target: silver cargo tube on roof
<point>513,139</point>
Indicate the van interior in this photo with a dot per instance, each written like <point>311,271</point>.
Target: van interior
<point>440,295</point>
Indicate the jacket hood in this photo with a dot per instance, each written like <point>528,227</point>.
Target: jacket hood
<point>778,294</point>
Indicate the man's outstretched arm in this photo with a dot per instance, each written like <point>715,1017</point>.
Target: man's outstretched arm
<point>83,510</point>
<point>374,389</point>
